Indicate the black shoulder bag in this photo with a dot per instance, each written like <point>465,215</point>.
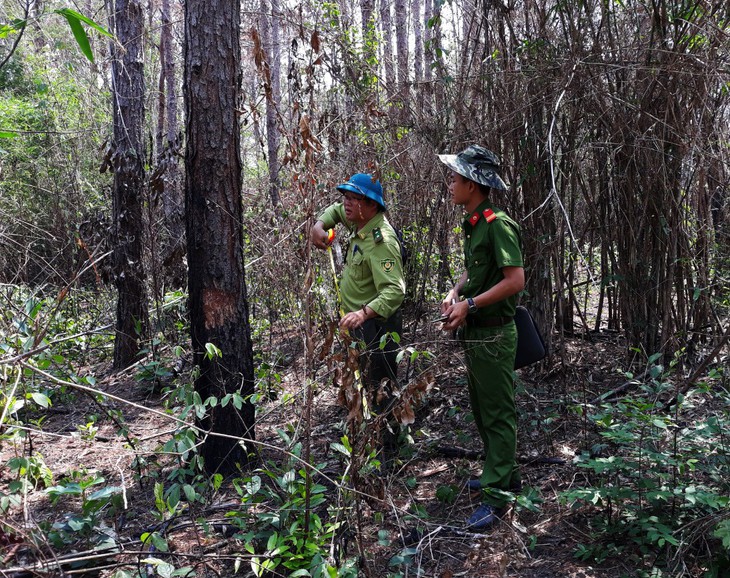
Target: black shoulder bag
<point>530,345</point>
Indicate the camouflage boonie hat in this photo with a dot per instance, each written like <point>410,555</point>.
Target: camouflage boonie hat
<point>477,164</point>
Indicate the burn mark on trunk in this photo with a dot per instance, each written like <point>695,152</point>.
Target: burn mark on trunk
<point>218,307</point>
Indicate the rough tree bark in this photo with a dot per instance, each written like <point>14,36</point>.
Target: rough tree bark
<point>367,8</point>
<point>216,278</point>
<point>401,45</point>
<point>129,180</point>
<point>270,39</point>
<point>417,41</point>
<point>386,44</point>
<point>168,144</point>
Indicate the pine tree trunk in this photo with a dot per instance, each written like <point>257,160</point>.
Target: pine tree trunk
<point>129,180</point>
<point>173,204</point>
<point>216,279</point>
<point>386,25</point>
<point>270,39</point>
<point>367,8</point>
<point>417,42</point>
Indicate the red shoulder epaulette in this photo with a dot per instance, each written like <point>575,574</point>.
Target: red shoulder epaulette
<point>489,215</point>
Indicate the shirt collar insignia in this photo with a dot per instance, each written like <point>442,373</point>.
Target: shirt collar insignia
<point>489,215</point>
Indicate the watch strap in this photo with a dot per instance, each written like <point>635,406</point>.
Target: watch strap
<point>472,306</point>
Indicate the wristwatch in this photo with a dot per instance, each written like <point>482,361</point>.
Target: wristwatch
<point>472,306</point>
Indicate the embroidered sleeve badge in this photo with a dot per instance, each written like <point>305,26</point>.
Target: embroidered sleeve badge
<point>387,265</point>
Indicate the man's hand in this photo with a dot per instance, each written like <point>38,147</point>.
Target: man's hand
<point>318,235</point>
<point>451,298</point>
<point>353,320</point>
<point>456,313</point>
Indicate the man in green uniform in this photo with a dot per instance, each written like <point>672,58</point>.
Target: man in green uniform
<point>483,303</point>
<point>372,286</point>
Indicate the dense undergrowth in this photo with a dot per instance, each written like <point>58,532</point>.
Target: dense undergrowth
<point>649,478</point>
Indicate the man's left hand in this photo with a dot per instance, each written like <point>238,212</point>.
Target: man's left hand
<point>353,320</point>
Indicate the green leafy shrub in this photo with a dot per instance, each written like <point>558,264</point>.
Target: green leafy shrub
<point>289,522</point>
<point>655,475</point>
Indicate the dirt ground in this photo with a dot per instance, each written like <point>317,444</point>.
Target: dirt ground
<point>443,454</point>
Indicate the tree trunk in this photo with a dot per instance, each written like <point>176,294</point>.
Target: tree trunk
<point>401,45</point>
<point>216,278</point>
<point>386,23</point>
<point>428,56</point>
<point>129,180</point>
<point>270,41</point>
<point>367,8</point>
<point>369,69</point>
<point>167,158</point>
<point>418,41</point>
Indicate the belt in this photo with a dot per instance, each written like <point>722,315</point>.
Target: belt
<point>488,321</point>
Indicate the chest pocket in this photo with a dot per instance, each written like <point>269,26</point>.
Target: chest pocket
<point>358,265</point>
<point>477,259</point>
<point>476,266</point>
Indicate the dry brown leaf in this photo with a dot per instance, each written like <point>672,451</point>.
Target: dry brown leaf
<point>355,408</point>
<point>407,415</point>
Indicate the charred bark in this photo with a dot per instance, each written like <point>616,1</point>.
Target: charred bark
<point>216,277</point>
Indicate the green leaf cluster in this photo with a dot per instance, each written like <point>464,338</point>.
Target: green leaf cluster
<point>654,475</point>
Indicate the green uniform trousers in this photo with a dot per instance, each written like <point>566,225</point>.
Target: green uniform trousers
<point>490,357</point>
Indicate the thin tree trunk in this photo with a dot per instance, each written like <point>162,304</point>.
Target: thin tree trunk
<point>417,21</point>
<point>401,44</point>
<point>428,55</point>
<point>386,25</point>
<point>173,204</point>
<point>270,40</point>
<point>129,180</point>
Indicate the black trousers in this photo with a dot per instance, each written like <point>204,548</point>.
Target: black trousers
<point>377,364</point>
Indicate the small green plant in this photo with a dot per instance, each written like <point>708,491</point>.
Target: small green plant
<point>152,371</point>
<point>86,526</point>
<point>287,521</point>
<point>653,474</point>
<point>402,561</point>
<point>447,493</point>
<point>88,430</point>
<point>33,469</point>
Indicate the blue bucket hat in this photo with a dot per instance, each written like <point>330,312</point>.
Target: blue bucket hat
<point>365,185</point>
<point>477,164</point>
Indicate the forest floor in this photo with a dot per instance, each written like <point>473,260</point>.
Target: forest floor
<point>421,504</point>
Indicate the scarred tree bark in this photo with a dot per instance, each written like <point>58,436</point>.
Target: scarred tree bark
<point>216,277</point>
<point>129,180</point>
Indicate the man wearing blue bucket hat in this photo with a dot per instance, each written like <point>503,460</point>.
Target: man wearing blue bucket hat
<point>372,286</point>
<point>483,304</point>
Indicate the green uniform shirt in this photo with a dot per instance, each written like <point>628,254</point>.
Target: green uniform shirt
<point>373,273</point>
<point>491,241</point>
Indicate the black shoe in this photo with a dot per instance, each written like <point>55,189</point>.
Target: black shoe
<point>484,517</point>
<point>476,485</point>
